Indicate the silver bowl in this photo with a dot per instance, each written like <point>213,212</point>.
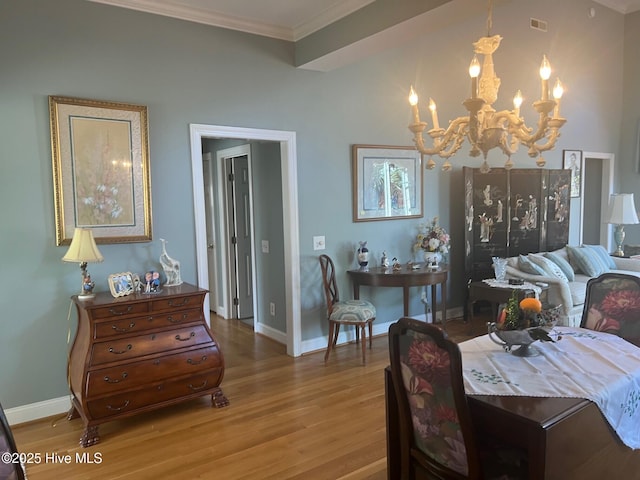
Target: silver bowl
<point>508,339</point>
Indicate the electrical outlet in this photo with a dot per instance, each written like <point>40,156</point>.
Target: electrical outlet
<point>318,243</point>
<point>272,309</point>
<point>265,246</point>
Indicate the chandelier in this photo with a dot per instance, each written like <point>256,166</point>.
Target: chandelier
<point>484,127</point>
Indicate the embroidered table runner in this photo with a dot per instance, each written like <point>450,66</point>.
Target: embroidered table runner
<point>597,366</point>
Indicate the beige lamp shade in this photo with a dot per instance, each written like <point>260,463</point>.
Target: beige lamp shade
<point>622,209</point>
<point>83,248</point>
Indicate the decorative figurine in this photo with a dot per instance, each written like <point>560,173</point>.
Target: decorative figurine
<point>384,262</point>
<point>396,265</point>
<point>170,266</point>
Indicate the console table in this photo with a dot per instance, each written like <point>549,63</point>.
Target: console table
<point>140,352</point>
<point>406,278</point>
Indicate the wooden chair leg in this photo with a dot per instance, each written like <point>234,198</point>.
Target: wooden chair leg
<point>330,342</point>
<point>357,334</point>
<point>370,335</point>
<point>364,341</point>
<point>336,334</point>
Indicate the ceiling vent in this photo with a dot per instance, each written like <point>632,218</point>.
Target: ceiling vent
<point>538,24</point>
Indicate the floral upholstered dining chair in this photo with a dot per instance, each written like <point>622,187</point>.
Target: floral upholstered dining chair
<point>612,305</point>
<point>437,438</point>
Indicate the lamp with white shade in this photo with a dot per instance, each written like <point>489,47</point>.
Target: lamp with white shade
<point>83,250</point>
<point>622,211</point>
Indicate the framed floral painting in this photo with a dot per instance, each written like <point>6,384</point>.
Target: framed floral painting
<point>101,175</point>
<point>387,182</point>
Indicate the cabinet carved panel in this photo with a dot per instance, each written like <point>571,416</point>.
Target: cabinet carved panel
<point>512,212</point>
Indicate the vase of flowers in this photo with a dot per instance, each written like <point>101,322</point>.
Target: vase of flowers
<point>433,240</point>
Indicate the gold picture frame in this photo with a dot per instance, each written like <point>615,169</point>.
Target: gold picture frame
<point>101,177</point>
<point>122,284</point>
<point>387,182</point>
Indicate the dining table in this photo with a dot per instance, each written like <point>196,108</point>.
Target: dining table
<point>573,408</point>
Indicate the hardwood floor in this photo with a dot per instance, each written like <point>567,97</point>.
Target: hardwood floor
<point>288,418</point>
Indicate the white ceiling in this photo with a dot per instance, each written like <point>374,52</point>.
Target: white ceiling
<point>283,19</point>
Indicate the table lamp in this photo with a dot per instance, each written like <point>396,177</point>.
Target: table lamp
<point>622,211</point>
<point>83,250</point>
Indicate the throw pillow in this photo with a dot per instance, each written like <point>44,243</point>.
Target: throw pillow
<point>587,261</point>
<point>603,255</point>
<point>550,268</point>
<point>563,264</point>
<point>527,266</point>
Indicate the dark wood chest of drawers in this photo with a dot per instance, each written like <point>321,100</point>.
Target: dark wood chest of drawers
<point>137,353</point>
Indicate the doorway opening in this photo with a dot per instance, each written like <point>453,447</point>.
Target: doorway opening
<point>291,249</point>
<point>597,179</point>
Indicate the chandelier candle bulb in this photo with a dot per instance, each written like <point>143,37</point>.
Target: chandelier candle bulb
<point>474,72</point>
<point>545,73</point>
<point>558,90</point>
<point>413,101</point>
<point>434,114</point>
<point>517,103</point>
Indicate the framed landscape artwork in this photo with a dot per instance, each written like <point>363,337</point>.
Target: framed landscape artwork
<point>101,175</point>
<point>572,160</point>
<point>387,182</point>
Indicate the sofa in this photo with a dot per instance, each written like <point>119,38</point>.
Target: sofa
<point>567,272</point>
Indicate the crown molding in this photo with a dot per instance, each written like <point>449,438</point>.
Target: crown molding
<point>217,19</point>
<point>205,17</point>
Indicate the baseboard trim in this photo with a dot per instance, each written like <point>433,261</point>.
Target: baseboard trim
<point>38,410</point>
<point>272,333</point>
<point>320,343</point>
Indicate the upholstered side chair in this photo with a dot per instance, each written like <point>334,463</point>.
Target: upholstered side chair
<point>437,438</point>
<point>612,304</point>
<point>359,313</point>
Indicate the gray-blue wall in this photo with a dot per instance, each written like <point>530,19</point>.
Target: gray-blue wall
<point>191,73</point>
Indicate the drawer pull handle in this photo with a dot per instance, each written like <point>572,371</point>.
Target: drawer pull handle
<point>193,362</point>
<point>116,380</point>
<point>176,304</point>
<point>117,409</point>
<point>191,335</point>
<point>199,387</point>
<point>111,350</point>
<point>118,329</point>
<point>173,320</point>
<point>113,311</point>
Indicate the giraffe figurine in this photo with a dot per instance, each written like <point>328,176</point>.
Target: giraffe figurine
<point>170,266</point>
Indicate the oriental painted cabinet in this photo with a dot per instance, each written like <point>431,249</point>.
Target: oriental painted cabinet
<point>512,212</point>
<point>137,353</point>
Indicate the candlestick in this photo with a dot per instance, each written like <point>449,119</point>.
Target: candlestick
<point>413,101</point>
<point>545,73</point>
<point>434,113</point>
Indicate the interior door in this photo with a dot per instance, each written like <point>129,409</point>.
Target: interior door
<point>209,207</point>
<point>240,234</point>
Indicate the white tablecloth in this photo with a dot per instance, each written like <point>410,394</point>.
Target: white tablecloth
<point>583,363</point>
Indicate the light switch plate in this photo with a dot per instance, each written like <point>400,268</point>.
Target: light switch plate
<point>318,243</point>
<point>265,246</point>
